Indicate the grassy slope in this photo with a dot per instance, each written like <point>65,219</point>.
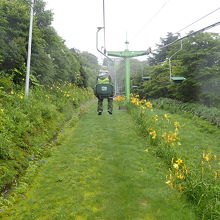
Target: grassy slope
<point>197,136</point>
<point>100,171</point>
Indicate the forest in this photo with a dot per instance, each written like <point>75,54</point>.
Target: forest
<point>51,60</point>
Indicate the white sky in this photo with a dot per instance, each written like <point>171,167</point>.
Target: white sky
<point>76,21</point>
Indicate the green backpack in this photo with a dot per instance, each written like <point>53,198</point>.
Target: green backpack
<point>104,90</point>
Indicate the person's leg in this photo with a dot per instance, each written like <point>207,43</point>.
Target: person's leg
<point>100,106</point>
<point>110,105</point>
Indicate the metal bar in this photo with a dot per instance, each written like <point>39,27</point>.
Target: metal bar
<point>97,35</point>
<point>27,82</point>
<point>170,66</point>
<point>104,25</point>
<point>127,79</point>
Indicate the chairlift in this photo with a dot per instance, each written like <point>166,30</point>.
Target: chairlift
<point>146,78</point>
<point>176,79</point>
<point>134,87</point>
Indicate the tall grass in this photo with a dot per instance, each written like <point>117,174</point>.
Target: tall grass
<point>198,180</point>
<point>211,114</point>
<point>26,126</point>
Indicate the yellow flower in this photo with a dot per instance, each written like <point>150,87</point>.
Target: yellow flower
<point>119,98</point>
<point>177,124</point>
<point>146,150</point>
<point>180,176</point>
<point>180,188</point>
<point>170,137</point>
<point>207,157</point>
<point>149,104</point>
<point>155,117</point>
<point>176,166</point>
<point>166,116</point>
<point>153,134</point>
<point>179,161</point>
<point>135,101</point>
<point>168,182</point>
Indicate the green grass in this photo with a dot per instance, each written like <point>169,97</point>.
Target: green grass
<point>26,126</point>
<point>196,145</point>
<point>100,171</point>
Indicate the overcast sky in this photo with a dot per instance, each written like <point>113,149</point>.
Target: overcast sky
<point>144,21</point>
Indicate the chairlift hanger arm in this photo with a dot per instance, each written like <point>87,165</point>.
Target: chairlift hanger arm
<point>170,65</point>
<point>127,54</point>
<point>97,35</point>
<point>181,47</point>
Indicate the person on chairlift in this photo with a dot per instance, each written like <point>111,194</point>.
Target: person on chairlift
<point>104,82</point>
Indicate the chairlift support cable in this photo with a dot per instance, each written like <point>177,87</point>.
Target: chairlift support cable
<point>97,33</point>
<point>198,19</point>
<point>150,20</point>
<point>103,9</point>
<point>191,34</point>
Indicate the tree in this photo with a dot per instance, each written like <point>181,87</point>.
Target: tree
<point>198,62</point>
<point>51,59</point>
<point>90,66</point>
<point>162,52</point>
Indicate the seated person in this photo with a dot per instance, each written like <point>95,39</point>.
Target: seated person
<point>104,78</point>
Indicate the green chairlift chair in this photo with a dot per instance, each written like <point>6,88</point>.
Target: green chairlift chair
<point>146,78</point>
<point>176,79</point>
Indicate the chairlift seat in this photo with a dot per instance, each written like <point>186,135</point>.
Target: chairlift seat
<point>146,77</point>
<point>177,78</point>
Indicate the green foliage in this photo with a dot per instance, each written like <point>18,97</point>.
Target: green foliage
<point>26,125</point>
<point>162,52</point>
<point>210,114</point>
<point>198,62</point>
<point>90,66</point>
<point>105,168</point>
<point>51,59</point>
<point>197,179</point>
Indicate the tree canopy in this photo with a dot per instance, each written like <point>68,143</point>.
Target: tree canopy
<point>198,62</point>
<point>51,59</point>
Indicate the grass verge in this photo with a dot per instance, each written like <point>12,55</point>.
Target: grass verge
<point>190,149</point>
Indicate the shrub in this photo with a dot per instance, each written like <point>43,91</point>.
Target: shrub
<point>211,114</point>
<point>197,180</point>
<point>27,125</point>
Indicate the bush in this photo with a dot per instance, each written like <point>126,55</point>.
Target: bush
<point>211,114</point>
<point>27,125</point>
<point>197,180</point>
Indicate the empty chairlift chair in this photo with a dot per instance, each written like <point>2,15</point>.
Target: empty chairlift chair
<point>176,79</point>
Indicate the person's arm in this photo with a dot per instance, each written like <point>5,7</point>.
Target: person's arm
<point>110,79</point>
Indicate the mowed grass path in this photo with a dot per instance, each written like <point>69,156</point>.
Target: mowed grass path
<point>101,171</point>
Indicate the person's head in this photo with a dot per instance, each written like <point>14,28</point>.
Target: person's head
<point>103,74</point>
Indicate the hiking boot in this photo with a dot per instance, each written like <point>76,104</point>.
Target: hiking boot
<point>99,113</point>
<point>110,112</point>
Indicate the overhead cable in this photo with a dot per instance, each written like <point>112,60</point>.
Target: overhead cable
<point>191,34</point>
<point>150,20</point>
<point>104,25</point>
<point>198,19</point>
